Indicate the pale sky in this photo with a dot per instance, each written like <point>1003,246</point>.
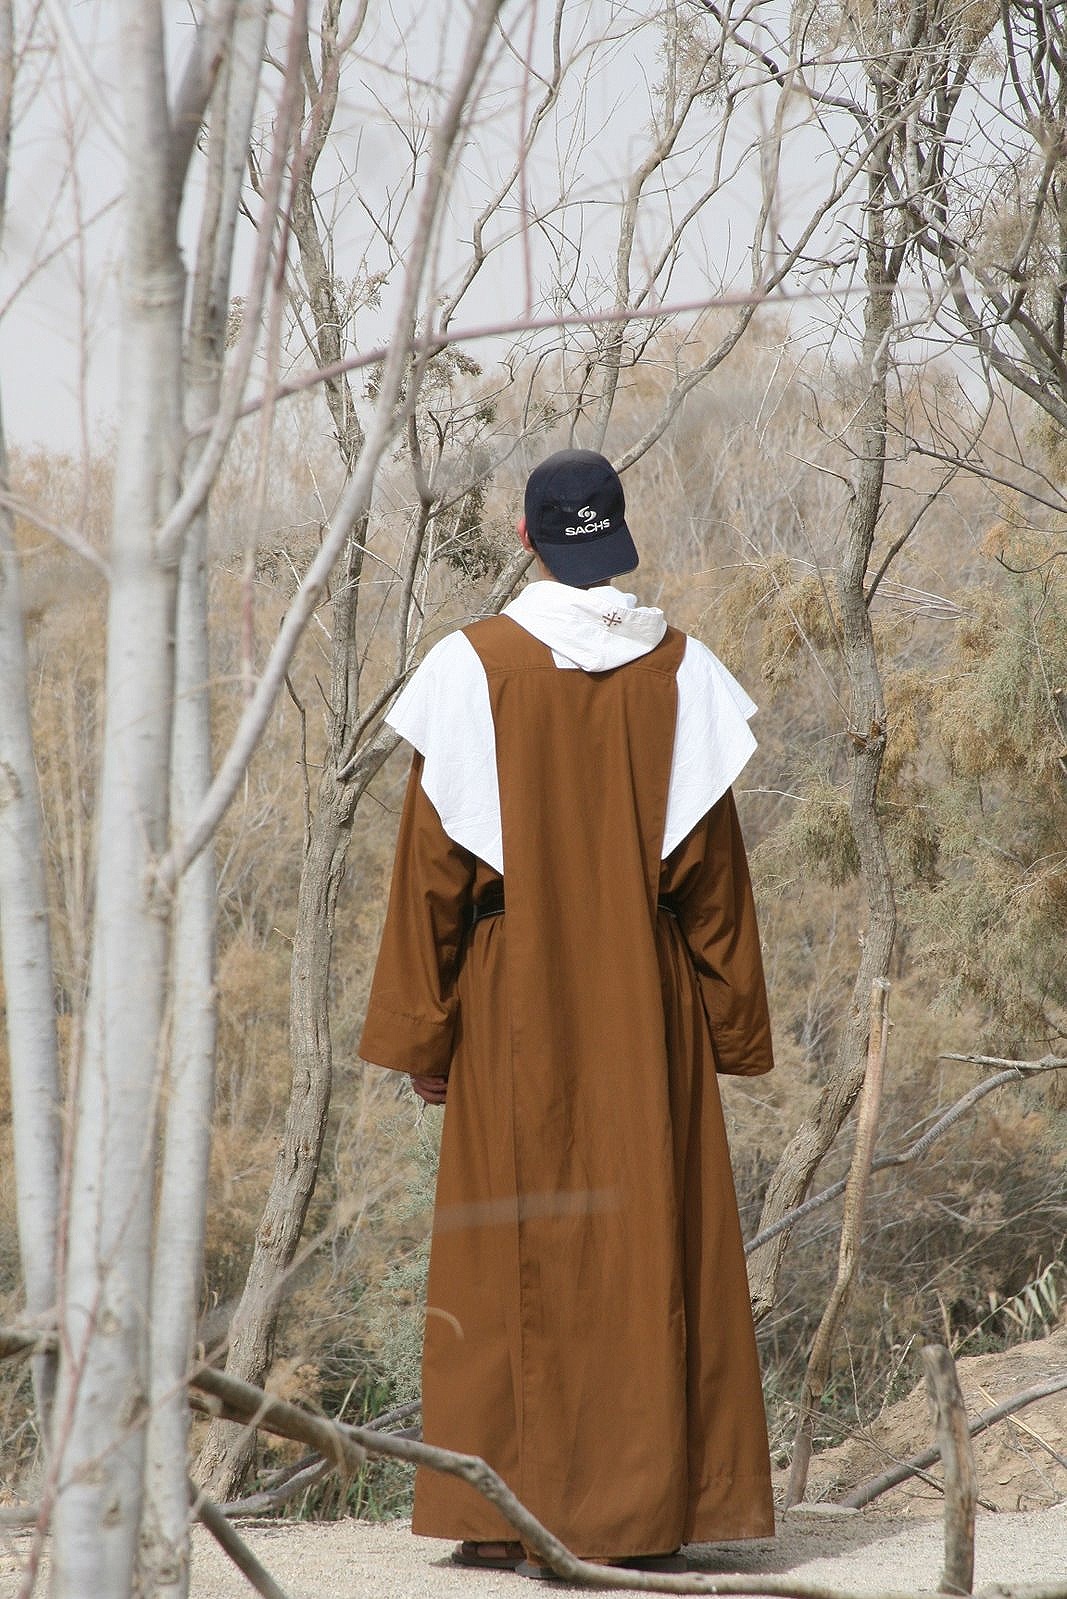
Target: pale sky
<point>58,298</point>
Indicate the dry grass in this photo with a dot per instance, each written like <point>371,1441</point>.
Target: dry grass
<point>739,536</point>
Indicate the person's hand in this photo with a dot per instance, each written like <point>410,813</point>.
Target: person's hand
<point>431,1090</point>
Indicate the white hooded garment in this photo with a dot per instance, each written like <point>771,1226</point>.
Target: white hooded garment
<point>445,713</point>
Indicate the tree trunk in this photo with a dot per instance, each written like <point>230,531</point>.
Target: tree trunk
<point>100,1410</point>
<point>179,1239</point>
<point>26,948</point>
<point>25,941</point>
<point>866,747</point>
<point>228,1451</point>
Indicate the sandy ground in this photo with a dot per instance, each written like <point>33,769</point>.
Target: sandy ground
<point>896,1544</point>
<point>859,1552</point>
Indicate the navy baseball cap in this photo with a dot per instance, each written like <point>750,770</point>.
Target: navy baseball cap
<point>575,509</point>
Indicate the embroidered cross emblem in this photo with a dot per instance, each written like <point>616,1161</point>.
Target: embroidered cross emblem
<point>612,618</point>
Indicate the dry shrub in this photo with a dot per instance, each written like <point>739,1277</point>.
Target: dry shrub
<point>738,535</point>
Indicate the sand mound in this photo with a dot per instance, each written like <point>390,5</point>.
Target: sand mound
<point>1021,1461</point>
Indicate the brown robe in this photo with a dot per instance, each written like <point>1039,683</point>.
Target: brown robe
<point>588,1328</point>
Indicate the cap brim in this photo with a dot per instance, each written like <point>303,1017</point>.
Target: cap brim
<point>593,562</point>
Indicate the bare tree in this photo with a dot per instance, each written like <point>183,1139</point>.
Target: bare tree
<point>227,1451</point>
<point>903,57</point>
<point>994,229</point>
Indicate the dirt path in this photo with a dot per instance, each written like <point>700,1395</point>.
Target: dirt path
<point>859,1552</point>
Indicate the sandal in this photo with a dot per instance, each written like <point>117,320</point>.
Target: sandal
<point>497,1555</point>
<point>673,1562</point>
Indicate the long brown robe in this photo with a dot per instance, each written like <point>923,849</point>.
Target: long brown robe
<point>588,1328</point>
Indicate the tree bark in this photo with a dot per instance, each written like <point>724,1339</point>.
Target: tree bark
<point>100,1411</point>
<point>179,1234</point>
<point>25,940</point>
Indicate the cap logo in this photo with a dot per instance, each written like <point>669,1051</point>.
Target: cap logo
<point>588,527</point>
<point>612,618</point>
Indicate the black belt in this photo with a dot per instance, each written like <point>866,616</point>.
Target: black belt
<point>492,904</point>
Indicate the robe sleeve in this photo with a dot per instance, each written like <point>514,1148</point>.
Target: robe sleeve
<point>707,878</point>
<point>411,1014</point>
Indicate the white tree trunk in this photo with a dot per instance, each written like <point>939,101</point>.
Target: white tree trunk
<point>100,1412</point>
<point>25,942</point>
<point>26,948</point>
<point>179,1242</point>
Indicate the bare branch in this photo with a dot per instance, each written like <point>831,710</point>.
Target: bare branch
<point>347,1445</point>
<point>868,1491</point>
<point>230,1540</point>
<point>356,499</point>
<point>63,535</point>
<point>210,43</point>
<point>269,1500</point>
<point>71,46</point>
<point>1019,1069</point>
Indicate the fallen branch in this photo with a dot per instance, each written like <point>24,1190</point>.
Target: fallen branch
<point>1018,1071</point>
<point>411,1407</point>
<point>267,1500</point>
<point>280,1486</point>
<point>875,1486</point>
<point>1035,1437</point>
<point>240,1401</point>
<point>231,1541</point>
<point>348,1446</point>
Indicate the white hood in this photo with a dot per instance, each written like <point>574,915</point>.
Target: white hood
<point>594,629</point>
<point>445,712</point>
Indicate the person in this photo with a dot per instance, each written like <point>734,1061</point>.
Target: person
<point>569,958</point>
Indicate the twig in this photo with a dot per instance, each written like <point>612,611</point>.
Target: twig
<point>1061,1460</point>
<point>282,1486</point>
<point>17,1344</point>
<point>268,1500</point>
<point>411,1407</point>
<point>875,1486</point>
<point>1019,1069</point>
<point>230,1540</point>
<point>848,1252</point>
<point>957,1457</point>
